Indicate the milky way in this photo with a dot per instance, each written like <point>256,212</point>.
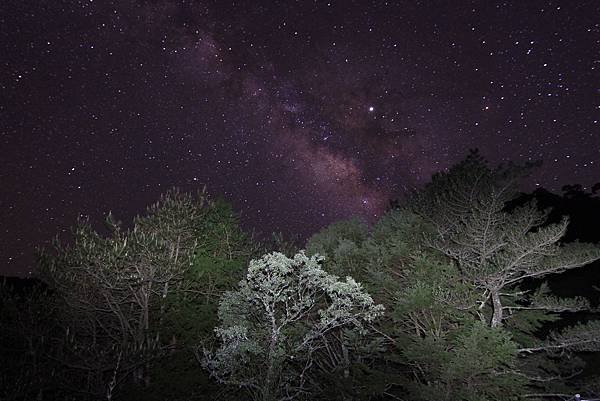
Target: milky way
<point>299,113</point>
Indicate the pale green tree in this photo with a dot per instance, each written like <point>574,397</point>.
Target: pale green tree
<point>288,323</point>
<point>113,291</point>
<point>498,249</point>
<point>505,249</point>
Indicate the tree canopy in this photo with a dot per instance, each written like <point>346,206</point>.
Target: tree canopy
<point>451,295</point>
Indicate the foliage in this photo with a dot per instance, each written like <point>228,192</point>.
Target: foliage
<point>288,320</point>
<point>340,243</point>
<point>218,263</point>
<point>495,249</point>
<point>467,274</point>
<point>504,253</point>
<point>454,263</point>
<point>433,328</point>
<point>474,362</point>
<point>132,297</point>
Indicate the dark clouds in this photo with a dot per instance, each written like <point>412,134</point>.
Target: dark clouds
<point>300,113</point>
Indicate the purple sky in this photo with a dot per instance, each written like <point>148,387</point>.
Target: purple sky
<point>299,113</point>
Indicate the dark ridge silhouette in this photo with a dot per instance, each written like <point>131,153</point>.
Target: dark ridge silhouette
<point>583,210</point>
<point>20,285</point>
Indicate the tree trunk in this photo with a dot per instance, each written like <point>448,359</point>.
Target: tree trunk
<point>497,310</point>
<point>268,391</point>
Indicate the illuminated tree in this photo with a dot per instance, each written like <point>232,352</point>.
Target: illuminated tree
<point>288,322</point>
<point>505,251</point>
<point>126,298</point>
<point>497,249</point>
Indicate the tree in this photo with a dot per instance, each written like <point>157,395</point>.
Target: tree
<point>340,243</point>
<point>460,269</point>
<point>505,253</point>
<point>288,321</point>
<point>436,347</point>
<point>497,249</point>
<point>114,291</point>
<point>219,262</point>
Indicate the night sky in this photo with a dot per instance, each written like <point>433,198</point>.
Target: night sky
<point>298,112</point>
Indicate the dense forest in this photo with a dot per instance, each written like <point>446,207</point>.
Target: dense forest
<point>464,290</point>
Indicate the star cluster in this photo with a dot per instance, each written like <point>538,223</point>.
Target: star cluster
<point>298,112</point>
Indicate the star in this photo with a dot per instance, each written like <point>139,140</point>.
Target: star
<point>289,124</point>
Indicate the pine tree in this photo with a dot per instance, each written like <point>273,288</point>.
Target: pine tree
<point>505,254</point>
